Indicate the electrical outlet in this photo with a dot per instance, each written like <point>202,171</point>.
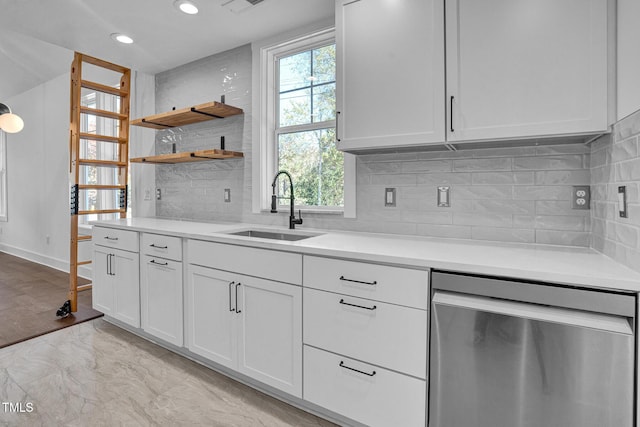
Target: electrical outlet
<point>158,194</point>
<point>581,198</point>
<point>227,195</point>
<point>390,197</point>
<point>147,194</point>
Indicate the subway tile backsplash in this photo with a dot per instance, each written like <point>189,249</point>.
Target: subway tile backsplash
<point>513,194</point>
<point>616,162</point>
<point>518,194</point>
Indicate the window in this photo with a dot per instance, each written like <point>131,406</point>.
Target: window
<point>92,149</point>
<point>305,129</point>
<point>296,102</point>
<point>3,176</point>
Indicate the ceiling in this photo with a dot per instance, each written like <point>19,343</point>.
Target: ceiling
<point>38,37</point>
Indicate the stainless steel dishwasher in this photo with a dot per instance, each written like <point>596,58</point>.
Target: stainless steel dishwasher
<point>516,354</point>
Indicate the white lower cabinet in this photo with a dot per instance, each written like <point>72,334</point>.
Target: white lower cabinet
<point>366,393</point>
<point>161,298</point>
<point>365,340</point>
<point>161,287</point>
<point>248,324</point>
<point>384,334</point>
<point>116,284</point>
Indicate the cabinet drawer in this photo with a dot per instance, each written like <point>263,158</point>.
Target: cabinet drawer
<point>115,238</point>
<point>169,247</point>
<point>264,263</point>
<point>374,396</point>
<point>387,335</point>
<point>395,285</point>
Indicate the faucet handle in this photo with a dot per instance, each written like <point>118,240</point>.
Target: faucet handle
<point>299,216</point>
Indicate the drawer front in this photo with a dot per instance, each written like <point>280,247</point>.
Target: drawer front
<point>386,335</point>
<point>280,266</point>
<point>116,238</point>
<point>385,398</point>
<point>169,247</point>
<point>394,285</point>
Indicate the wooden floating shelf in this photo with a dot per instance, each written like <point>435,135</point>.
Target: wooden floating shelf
<point>189,157</point>
<point>187,116</point>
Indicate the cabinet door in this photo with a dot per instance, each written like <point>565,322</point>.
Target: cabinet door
<point>161,293</point>
<point>102,291</point>
<point>519,68</point>
<point>270,335</point>
<point>125,276</point>
<point>211,316</point>
<point>390,71</point>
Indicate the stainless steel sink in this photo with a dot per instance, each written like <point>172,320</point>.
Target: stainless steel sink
<point>275,235</point>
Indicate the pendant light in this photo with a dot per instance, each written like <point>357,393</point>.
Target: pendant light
<point>9,122</point>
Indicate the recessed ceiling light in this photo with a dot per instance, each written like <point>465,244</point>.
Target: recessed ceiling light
<point>186,7</point>
<point>122,38</point>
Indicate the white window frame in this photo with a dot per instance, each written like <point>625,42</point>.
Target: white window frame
<point>265,104</point>
<point>3,177</point>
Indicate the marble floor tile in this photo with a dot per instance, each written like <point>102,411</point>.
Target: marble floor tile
<point>96,374</point>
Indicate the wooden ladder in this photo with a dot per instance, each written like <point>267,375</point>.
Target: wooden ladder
<point>77,135</point>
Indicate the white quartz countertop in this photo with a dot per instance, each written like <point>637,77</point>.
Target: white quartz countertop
<point>545,263</point>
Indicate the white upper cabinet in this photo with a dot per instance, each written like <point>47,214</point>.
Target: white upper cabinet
<point>521,68</point>
<point>514,69</point>
<point>390,68</point>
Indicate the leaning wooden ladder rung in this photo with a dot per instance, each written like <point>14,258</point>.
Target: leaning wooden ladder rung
<point>121,164</point>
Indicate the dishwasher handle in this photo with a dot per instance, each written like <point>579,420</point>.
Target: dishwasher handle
<point>577,318</point>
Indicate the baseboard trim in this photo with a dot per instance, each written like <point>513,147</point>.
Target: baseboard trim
<point>58,264</point>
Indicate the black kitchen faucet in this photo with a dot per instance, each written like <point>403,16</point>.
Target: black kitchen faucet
<point>292,217</point>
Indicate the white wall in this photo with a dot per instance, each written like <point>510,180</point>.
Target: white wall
<point>628,57</point>
<point>37,176</point>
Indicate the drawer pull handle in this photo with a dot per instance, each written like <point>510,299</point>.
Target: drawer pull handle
<point>110,238</point>
<point>359,281</point>
<point>356,305</point>
<point>153,261</point>
<point>342,365</point>
<point>153,245</point>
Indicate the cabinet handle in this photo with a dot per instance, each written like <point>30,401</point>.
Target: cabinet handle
<point>237,309</point>
<point>375,282</point>
<point>337,135</point>
<point>356,305</point>
<point>230,285</point>
<point>153,245</point>
<point>342,365</point>
<point>451,112</point>
<point>153,261</point>
<point>110,238</point>
<point>110,265</point>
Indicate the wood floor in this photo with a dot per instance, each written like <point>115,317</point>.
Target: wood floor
<point>30,295</point>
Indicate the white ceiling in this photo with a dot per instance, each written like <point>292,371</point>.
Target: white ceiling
<point>38,37</point>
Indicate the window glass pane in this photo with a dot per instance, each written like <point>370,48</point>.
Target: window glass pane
<point>324,64</point>
<point>324,102</point>
<point>295,71</point>
<point>295,108</point>
<point>315,165</point>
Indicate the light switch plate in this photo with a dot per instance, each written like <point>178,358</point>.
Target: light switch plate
<point>390,197</point>
<point>443,197</point>
<point>622,201</point>
<point>581,197</point>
